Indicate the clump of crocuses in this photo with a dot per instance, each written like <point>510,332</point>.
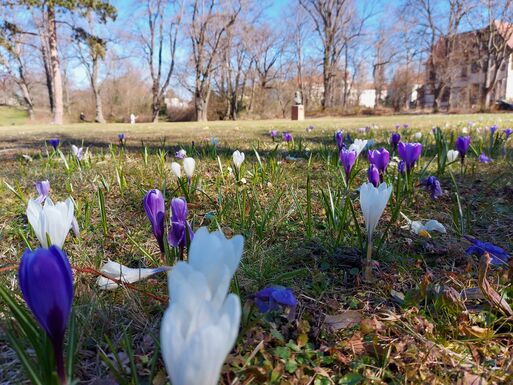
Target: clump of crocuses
<point>379,158</point>
<point>432,184</point>
<point>46,283</point>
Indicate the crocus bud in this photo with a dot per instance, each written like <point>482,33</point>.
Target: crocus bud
<point>373,175</point>
<point>238,158</point>
<point>452,155</point>
<point>78,152</point>
<point>50,220</point>
<point>395,139</point>
<point>176,169</point>
<point>347,159</point>
<point>379,158</point>
<point>274,134</point>
<point>358,145</point>
<point>188,165</point>
<point>46,283</point>
<point>54,143</point>
<point>462,145</point>
<point>155,210</point>
<point>483,158</point>
<point>410,153</point>
<point>287,137</point>
<point>339,138</point>
<point>43,188</point>
<point>177,235</point>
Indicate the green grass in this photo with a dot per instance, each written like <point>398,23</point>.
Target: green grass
<point>10,116</point>
<point>426,339</point>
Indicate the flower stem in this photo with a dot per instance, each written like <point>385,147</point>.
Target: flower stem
<point>367,266</point>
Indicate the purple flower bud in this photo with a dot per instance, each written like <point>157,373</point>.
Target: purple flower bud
<point>401,167</point>
<point>339,138</point>
<point>310,128</point>
<point>493,129</point>
<point>54,143</point>
<point>274,134</point>
<point>46,283</point>
<point>180,154</point>
<point>395,139</point>
<point>270,298</point>
<point>373,175</point>
<point>43,188</point>
<point>483,158</point>
<point>121,137</point>
<point>410,153</point>
<point>347,159</point>
<point>462,145</point>
<point>406,125</point>
<point>508,132</point>
<point>155,210</point>
<point>397,126</point>
<point>432,184</point>
<point>497,254</point>
<point>287,137</point>
<point>177,235</point>
<point>379,158</point>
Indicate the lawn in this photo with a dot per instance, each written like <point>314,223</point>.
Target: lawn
<point>427,315</point>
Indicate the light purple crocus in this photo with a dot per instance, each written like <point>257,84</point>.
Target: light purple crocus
<point>78,152</point>
<point>373,175</point>
<point>483,158</point>
<point>274,134</point>
<point>46,283</point>
<point>410,153</point>
<point>339,138</point>
<point>347,159</point>
<point>379,158</point>
<point>406,125</point>
<point>155,210</point>
<point>181,154</point>
<point>43,188</point>
<point>462,145</point>
<point>432,184</point>
<point>287,137</point>
<point>177,235</point>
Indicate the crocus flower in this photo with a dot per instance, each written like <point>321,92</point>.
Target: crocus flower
<point>410,153</point>
<point>238,158</point>
<point>189,164</point>
<point>483,158</point>
<point>424,229</point>
<point>498,255</point>
<point>274,134</point>
<point>462,145</point>
<point>452,155</point>
<point>43,188</point>
<point>373,175</point>
<point>122,273</point>
<point>373,201</point>
<point>395,139</point>
<point>214,141</point>
<point>310,128</point>
<point>379,158</point>
<point>287,137</point>
<point>493,129</point>
<point>406,125</point>
<point>418,135</point>
<point>201,324</point>
<point>155,210</point>
<point>179,229</point>
<point>46,283</point>
<point>508,132</point>
<point>397,126</point>
<point>402,167</point>
<point>50,220</point>
<point>339,138</point>
<point>77,152</point>
<point>121,138</point>
<point>181,154</point>
<point>347,159</point>
<point>432,184</point>
<point>54,143</point>
<point>273,297</point>
<point>176,169</point>
<point>358,145</point>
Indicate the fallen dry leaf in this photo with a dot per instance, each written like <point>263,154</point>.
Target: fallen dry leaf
<point>344,320</point>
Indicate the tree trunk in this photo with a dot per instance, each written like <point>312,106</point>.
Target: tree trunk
<point>96,92</point>
<point>233,106</point>
<point>28,100</point>
<point>201,109</point>
<point>55,63</point>
<point>155,110</point>
<point>49,80</point>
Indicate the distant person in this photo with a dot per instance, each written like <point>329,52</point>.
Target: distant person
<point>82,117</point>
<point>133,118</point>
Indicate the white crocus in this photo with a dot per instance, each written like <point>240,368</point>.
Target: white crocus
<point>424,229</point>
<point>358,145</point>
<point>201,324</point>
<point>124,274</point>
<point>50,220</point>
<point>188,165</point>
<point>452,155</point>
<point>418,135</point>
<point>176,169</point>
<point>238,158</point>
<point>373,201</point>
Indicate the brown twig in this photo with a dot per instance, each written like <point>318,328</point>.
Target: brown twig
<point>494,298</point>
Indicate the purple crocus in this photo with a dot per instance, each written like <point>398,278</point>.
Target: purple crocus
<point>379,158</point>
<point>43,188</point>
<point>401,167</point>
<point>406,125</point>
<point>310,128</point>
<point>373,175</point>
<point>46,283</point>
<point>397,126</point>
<point>54,142</point>
<point>271,298</point>
<point>274,134</point>
<point>462,145</point>
<point>177,235</point>
<point>432,184</point>
<point>287,137</point>
<point>508,132</point>
<point>498,255</point>
<point>395,139</point>
<point>339,138</point>
<point>155,210</point>
<point>483,158</point>
<point>493,129</point>
<point>121,138</point>
<point>410,153</point>
<point>181,154</point>
<point>347,159</point>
